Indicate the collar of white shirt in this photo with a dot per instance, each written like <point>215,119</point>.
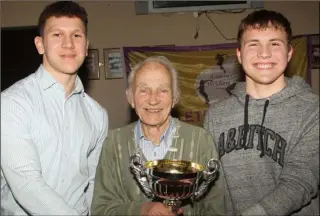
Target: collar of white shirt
<point>47,80</point>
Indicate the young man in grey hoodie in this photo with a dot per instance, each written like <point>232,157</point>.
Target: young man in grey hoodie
<point>267,132</point>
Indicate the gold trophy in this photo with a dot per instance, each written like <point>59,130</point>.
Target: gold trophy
<point>173,180</point>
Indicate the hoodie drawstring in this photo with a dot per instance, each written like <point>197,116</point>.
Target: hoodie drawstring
<point>265,110</point>
<point>246,125</point>
<point>263,117</point>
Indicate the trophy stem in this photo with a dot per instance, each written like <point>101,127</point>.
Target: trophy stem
<point>172,205</point>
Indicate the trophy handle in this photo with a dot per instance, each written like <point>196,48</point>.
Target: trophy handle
<point>140,173</point>
<point>209,175</point>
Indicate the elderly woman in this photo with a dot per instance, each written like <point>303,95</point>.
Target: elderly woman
<point>153,91</point>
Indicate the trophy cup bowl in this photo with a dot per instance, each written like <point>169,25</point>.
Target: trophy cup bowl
<point>173,180</point>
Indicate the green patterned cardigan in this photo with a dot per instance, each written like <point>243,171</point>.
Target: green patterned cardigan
<point>116,191</point>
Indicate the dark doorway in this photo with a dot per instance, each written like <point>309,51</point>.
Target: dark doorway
<point>19,56</point>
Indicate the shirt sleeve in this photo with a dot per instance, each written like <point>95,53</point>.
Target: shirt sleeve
<point>299,179</point>
<point>20,162</point>
<point>94,155</point>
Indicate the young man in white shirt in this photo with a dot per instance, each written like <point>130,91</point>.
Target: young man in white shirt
<point>51,130</point>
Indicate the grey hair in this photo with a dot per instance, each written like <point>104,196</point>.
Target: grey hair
<point>168,65</point>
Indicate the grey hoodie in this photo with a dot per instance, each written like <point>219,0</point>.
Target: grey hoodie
<point>269,150</point>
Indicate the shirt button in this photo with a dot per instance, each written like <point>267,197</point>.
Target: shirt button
<point>62,180</point>
<point>65,154</point>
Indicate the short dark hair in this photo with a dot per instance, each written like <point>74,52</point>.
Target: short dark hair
<point>260,20</point>
<point>62,9</point>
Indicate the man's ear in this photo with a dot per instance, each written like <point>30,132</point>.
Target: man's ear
<point>238,55</point>
<point>290,52</point>
<point>130,97</point>
<point>175,99</point>
<point>87,47</point>
<point>38,41</point>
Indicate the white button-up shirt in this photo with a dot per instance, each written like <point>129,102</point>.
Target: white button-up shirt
<point>50,147</point>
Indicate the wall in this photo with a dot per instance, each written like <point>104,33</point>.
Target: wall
<point>114,24</point>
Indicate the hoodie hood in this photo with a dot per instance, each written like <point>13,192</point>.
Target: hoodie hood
<point>294,86</point>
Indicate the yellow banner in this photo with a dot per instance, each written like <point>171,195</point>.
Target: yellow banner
<point>205,72</point>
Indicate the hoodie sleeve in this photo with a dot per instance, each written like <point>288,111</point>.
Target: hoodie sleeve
<point>299,180</point>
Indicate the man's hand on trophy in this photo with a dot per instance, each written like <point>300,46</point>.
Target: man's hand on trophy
<point>157,209</point>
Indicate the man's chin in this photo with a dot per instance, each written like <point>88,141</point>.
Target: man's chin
<point>152,123</point>
<point>70,71</point>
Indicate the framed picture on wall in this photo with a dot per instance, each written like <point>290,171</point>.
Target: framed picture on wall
<point>315,57</point>
<point>113,63</point>
<point>315,51</point>
<point>92,64</point>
